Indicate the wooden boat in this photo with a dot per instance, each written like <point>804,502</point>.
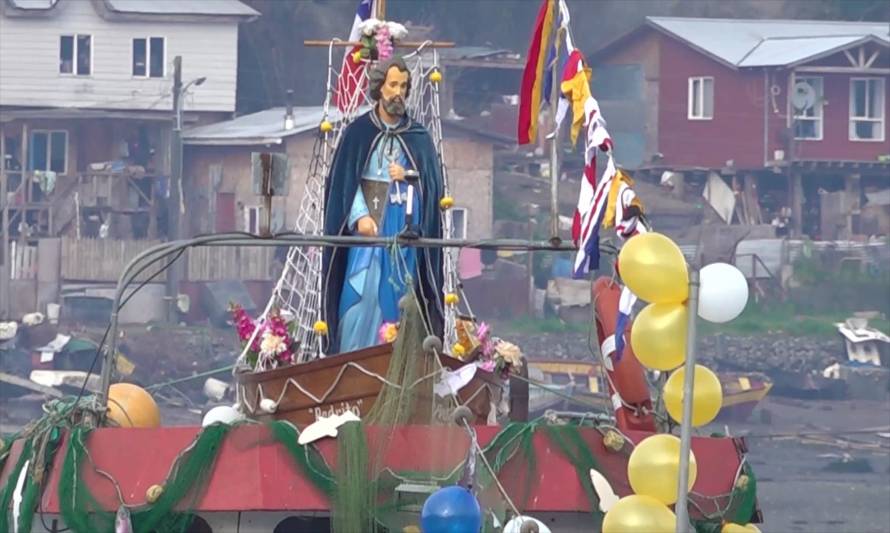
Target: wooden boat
<point>348,382</point>
<point>742,391</point>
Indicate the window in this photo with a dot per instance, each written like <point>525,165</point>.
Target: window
<point>867,109</point>
<point>459,222</point>
<point>148,57</point>
<point>701,98</point>
<point>76,55</point>
<point>48,151</point>
<point>252,219</point>
<point>806,101</point>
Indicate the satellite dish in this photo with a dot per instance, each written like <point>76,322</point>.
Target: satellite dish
<point>804,96</point>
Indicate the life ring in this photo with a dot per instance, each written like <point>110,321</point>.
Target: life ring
<point>628,388</point>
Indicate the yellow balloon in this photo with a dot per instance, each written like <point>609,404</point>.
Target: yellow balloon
<point>654,468</point>
<point>707,395</point>
<point>654,268</point>
<point>131,406</point>
<point>658,336</point>
<point>729,527</point>
<point>639,514</point>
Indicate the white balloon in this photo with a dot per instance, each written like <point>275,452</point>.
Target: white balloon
<point>723,293</point>
<point>222,413</point>
<point>515,525</point>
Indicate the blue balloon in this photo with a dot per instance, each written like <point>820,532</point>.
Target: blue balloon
<point>451,510</point>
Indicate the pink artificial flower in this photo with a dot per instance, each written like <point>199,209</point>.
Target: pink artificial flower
<point>384,43</point>
<point>482,331</point>
<point>388,332</point>
<point>488,366</point>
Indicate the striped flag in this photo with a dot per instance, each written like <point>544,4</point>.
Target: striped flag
<point>593,197</point>
<point>533,77</point>
<point>350,83</point>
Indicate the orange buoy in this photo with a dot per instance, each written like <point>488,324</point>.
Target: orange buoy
<point>131,406</point>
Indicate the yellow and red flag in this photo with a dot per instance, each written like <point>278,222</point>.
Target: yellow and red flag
<point>534,74</point>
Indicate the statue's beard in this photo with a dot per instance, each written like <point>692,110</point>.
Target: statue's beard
<point>395,106</point>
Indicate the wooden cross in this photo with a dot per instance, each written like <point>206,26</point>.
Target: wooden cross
<point>380,15</point>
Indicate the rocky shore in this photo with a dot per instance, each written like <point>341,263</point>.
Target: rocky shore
<point>760,353</point>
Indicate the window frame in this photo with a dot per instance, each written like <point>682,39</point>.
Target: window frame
<point>30,164</point>
<point>818,118</point>
<point>690,111</point>
<point>74,48</point>
<point>248,209</point>
<point>852,119</point>
<point>147,75</point>
<point>464,225</point>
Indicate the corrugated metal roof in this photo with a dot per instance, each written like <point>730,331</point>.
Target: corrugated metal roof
<point>755,43</point>
<point>263,127</point>
<point>182,7</point>
<point>777,52</point>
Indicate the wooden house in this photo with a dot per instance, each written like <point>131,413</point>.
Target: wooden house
<point>86,96</point>
<point>793,112</point>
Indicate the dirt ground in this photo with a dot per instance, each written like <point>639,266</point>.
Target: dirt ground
<point>796,489</point>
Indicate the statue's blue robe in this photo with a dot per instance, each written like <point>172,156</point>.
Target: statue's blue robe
<point>361,287</point>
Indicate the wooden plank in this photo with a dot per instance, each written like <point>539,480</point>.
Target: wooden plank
<point>30,385</point>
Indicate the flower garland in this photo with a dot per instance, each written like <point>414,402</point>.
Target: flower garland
<point>493,354</point>
<point>272,346</point>
<point>377,39</point>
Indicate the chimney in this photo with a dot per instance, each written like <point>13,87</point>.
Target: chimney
<point>289,113</point>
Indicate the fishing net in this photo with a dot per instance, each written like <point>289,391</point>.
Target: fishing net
<point>188,476</point>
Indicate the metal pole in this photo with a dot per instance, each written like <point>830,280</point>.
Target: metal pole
<point>5,295</point>
<point>682,506</point>
<point>173,219</point>
<point>554,148</point>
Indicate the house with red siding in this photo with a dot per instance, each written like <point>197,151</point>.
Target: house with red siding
<point>792,113</point>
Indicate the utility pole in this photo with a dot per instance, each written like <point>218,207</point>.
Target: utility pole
<point>5,295</point>
<point>173,205</point>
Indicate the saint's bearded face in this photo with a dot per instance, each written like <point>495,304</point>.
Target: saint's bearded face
<point>394,91</point>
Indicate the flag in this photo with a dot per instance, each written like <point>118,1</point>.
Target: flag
<point>625,308</point>
<point>559,52</point>
<point>589,216</point>
<point>576,88</point>
<point>534,73</point>
<point>350,84</point>
<point>593,196</point>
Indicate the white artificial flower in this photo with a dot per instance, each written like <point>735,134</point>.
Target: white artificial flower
<point>369,27</point>
<point>396,30</point>
<point>272,344</point>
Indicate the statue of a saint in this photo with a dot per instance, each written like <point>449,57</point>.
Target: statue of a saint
<point>385,180</point>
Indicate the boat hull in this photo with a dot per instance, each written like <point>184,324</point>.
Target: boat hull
<point>350,382</point>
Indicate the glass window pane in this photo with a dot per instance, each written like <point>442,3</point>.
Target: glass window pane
<point>695,110</point>
<point>84,55</point>
<point>865,130</point>
<point>38,151</point>
<point>58,145</point>
<point>139,57</point>
<point>708,98</point>
<point>858,98</point>
<point>875,98</point>
<point>66,54</point>
<point>156,49</point>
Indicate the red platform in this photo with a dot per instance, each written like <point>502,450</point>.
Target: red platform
<point>254,473</point>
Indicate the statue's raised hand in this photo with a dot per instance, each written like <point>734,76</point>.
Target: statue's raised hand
<point>366,226</point>
<point>396,172</point>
